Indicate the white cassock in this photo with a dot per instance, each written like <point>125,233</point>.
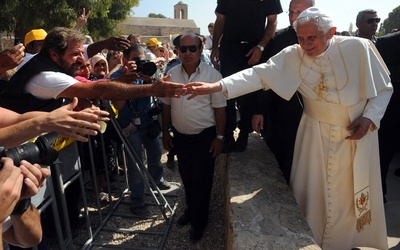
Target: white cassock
<point>336,182</point>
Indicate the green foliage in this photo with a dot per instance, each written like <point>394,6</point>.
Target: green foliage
<point>392,22</point>
<point>153,15</point>
<point>20,16</point>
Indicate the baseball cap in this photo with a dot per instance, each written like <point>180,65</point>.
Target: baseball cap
<point>211,25</point>
<point>153,42</point>
<point>35,35</point>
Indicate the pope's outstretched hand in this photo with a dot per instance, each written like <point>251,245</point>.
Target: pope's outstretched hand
<point>202,88</point>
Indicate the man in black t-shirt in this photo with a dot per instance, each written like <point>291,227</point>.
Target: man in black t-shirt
<point>241,24</point>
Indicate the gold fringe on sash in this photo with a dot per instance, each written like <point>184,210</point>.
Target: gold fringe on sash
<point>363,220</point>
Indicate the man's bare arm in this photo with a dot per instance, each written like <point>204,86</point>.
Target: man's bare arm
<point>114,90</point>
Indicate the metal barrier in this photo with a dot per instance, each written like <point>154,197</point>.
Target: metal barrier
<point>59,181</point>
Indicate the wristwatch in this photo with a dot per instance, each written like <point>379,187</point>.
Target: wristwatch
<point>221,137</point>
<point>21,207</point>
<point>260,47</point>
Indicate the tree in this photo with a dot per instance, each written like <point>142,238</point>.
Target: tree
<point>20,16</point>
<point>390,23</point>
<point>153,15</point>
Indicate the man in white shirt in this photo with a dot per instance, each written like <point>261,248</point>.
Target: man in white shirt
<point>209,39</point>
<point>198,127</point>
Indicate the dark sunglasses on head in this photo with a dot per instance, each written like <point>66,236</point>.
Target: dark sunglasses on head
<point>371,20</point>
<point>192,48</point>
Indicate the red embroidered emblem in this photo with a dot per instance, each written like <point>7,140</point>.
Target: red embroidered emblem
<point>362,202</point>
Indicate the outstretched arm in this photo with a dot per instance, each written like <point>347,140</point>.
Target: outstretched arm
<point>64,121</point>
<point>202,88</point>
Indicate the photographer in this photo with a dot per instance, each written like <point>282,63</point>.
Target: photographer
<point>22,228</point>
<point>140,126</point>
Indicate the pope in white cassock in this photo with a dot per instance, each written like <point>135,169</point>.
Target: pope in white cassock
<point>346,87</point>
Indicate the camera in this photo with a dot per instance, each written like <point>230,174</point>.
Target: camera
<point>145,66</point>
<point>42,151</point>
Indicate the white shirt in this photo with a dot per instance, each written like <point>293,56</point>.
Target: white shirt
<point>49,84</point>
<point>209,41</point>
<point>192,116</point>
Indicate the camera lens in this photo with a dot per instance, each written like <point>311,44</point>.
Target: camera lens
<point>28,151</point>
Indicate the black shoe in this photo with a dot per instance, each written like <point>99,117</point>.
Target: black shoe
<point>164,185</point>
<point>183,220</point>
<point>140,211</point>
<point>195,235</point>
<point>171,161</point>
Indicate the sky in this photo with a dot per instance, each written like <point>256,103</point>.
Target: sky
<point>343,12</point>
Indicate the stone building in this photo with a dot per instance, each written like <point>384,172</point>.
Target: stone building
<point>164,29</point>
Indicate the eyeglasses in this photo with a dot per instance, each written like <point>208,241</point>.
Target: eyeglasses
<point>192,48</point>
<point>371,20</point>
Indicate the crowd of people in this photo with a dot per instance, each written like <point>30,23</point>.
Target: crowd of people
<point>324,101</point>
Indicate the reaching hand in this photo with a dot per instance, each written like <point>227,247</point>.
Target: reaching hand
<point>161,87</point>
<point>202,88</point>
<point>117,43</point>
<point>11,58</point>
<point>75,124</point>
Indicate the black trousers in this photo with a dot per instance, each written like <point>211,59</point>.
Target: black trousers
<point>233,59</point>
<point>389,134</point>
<point>196,168</point>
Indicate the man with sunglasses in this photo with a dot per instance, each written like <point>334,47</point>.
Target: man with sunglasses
<point>367,24</point>
<point>198,127</point>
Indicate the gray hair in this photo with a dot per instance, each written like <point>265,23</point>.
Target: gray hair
<point>361,14</point>
<point>323,22</point>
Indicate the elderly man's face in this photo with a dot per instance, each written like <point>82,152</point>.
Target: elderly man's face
<point>312,40</point>
<point>189,51</point>
<point>72,60</point>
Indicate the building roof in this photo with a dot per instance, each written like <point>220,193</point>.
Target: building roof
<point>160,22</point>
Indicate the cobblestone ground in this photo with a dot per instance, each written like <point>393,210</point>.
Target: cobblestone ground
<point>178,237</point>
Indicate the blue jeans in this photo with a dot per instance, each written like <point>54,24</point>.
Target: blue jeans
<point>154,166</point>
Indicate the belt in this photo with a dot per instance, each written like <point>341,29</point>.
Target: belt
<point>327,112</point>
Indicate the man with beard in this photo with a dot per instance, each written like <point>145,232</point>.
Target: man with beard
<point>47,79</point>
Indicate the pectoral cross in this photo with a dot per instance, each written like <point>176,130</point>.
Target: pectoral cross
<point>321,88</point>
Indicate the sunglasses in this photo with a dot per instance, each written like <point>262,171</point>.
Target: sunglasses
<point>192,48</point>
<point>371,20</point>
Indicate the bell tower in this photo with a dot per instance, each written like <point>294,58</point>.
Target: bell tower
<point>180,10</point>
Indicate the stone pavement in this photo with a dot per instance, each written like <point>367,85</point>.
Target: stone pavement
<point>262,213</point>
